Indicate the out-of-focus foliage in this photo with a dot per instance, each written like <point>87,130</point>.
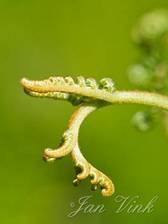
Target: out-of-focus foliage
<point>151,72</point>
<point>152,29</point>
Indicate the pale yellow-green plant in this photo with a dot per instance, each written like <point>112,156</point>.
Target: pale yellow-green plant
<point>88,95</point>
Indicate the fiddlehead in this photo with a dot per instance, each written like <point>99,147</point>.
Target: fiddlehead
<point>75,90</point>
<point>46,88</point>
<point>89,95</point>
<point>85,169</point>
<point>71,146</point>
<point>150,73</point>
<point>70,136</point>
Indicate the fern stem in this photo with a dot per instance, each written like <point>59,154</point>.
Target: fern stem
<point>116,97</point>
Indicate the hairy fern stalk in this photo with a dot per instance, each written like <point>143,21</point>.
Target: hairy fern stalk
<point>89,96</point>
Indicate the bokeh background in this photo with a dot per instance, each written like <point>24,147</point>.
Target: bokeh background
<point>92,38</point>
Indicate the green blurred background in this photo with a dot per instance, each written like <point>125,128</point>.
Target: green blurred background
<point>92,38</point>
